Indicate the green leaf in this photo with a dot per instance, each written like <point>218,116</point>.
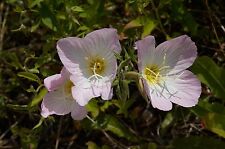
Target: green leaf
<point>196,142</point>
<point>167,121</point>
<point>144,21</point>
<point>28,139</point>
<point>149,26</point>
<point>216,123</point>
<point>39,123</point>
<point>93,107</point>
<point>112,124</point>
<point>77,9</point>
<point>123,89</point>
<point>33,3</point>
<point>211,75</point>
<point>92,145</point>
<point>38,98</point>
<point>212,115</point>
<point>106,105</point>
<point>48,17</point>
<point>29,76</point>
<point>145,146</point>
<point>133,24</point>
<point>12,59</point>
<point>17,107</point>
<point>34,27</point>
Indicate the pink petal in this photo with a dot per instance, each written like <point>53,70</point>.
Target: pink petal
<point>146,51</point>
<point>71,53</point>
<point>187,88</point>
<point>157,100</point>
<point>54,102</point>
<point>107,91</point>
<point>179,53</point>
<point>53,82</point>
<point>82,95</point>
<point>106,38</point>
<point>81,81</point>
<point>78,112</point>
<point>65,73</point>
<point>74,52</point>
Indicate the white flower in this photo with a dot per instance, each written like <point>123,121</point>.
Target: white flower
<point>163,72</point>
<point>92,63</point>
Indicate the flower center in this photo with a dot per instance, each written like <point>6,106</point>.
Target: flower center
<point>97,66</point>
<point>152,74</point>
<point>67,88</point>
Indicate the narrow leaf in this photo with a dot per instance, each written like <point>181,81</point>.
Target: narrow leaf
<point>29,76</point>
<point>211,75</point>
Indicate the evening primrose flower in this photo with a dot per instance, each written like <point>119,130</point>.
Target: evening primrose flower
<point>163,72</point>
<point>91,61</point>
<point>59,99</point>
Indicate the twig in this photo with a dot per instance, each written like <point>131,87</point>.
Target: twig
<point>213,27</point>
<point>3,135</point>
<point>158,17</point>
<point>2,24</point>
<point>113,141</point>
<point>58,133</point>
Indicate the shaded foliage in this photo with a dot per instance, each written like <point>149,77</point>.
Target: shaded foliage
<point>29,30</point>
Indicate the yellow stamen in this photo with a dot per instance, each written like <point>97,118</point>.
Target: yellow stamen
<point>97,66</point>
<point>67,88</point>
<point>152,74</point>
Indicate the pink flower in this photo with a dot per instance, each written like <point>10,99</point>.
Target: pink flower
<point>59,99</point>
<point>91,61</point>
<point>163,72</point>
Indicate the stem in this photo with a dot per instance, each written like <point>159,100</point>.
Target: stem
<point>158,18</point>
<point>213,27</point>
<point>58,133</point>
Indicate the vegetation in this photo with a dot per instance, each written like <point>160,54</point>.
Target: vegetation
<point>29,30</point>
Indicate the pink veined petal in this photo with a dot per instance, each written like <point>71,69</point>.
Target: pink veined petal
<point>105,39</point>
<point>187,88</point>
<point>78,112</point>
<point>179,53</point>
<point>53,82</point>
<point>80,81</point>
<point>54,102</point>
<point>71,53</point>
<point>74,52</point>
<point>82,95</point>
<point>104,43</point>
<point>111,67</point>
<point>146,51</point>
<point>65,73</point>
<point>157,100</point>
<point>107,91</point>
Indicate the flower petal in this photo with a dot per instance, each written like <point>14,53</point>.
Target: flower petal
<point>78,112</point>
<point>107,91</point>
<point>158,101</point>
<point>82,95</point>
<point>104,43</point>
<point>146,51</point>
<point>187,88</point>
<point>53,82</point>
<point>105,39</point>
<point>75,52</point>
<point>179,53</point>
<point>54,102</point>
<point>71,53</point>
